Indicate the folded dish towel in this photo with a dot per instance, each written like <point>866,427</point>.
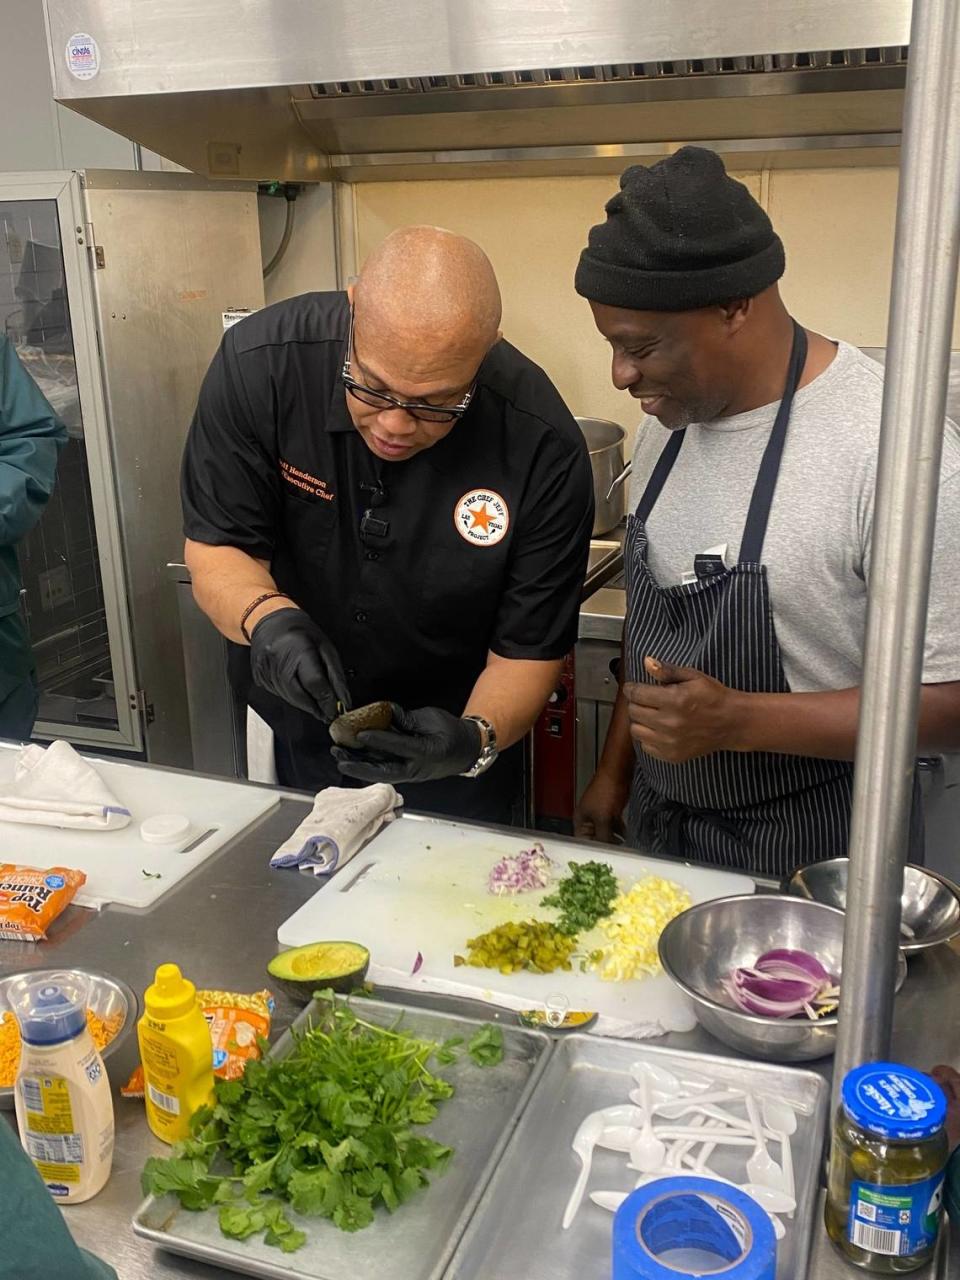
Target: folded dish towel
<point>342,820</point>
<point>55,787</point>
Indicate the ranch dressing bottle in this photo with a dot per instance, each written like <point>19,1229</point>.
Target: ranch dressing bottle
<point>62,1096</point>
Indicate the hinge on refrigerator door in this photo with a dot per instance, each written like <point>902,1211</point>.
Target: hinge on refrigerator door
<point>96,250</point>
<point>138,702</point>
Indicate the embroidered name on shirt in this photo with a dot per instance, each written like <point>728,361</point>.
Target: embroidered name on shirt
<point>304,481</point>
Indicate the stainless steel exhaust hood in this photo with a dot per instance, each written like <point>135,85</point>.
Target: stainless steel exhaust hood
<point>370,89</point>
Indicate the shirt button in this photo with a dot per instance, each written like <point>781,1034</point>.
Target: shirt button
<point>359,616</point>
<point>372,555</point>
<point>351,673</point>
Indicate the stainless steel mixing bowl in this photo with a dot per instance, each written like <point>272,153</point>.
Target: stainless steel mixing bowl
<point>700,948</point>
<point>105,995</point>
<point>929,908</point>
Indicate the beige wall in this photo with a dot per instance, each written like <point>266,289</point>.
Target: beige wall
<point>308,263</point>
<point>837,225</point>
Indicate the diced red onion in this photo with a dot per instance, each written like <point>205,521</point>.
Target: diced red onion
<point>417,964</point>
<point>521,872</point>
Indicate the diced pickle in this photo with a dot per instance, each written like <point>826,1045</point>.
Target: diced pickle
<point>524,944</point>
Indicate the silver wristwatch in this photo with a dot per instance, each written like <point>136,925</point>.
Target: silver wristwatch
<point>488,750</point>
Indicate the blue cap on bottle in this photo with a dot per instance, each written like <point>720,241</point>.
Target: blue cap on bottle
<point>49,1015</point>
<point>894,1102</point>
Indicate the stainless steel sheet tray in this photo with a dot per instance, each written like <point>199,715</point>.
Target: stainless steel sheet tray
<point>516,1232</point>
<point>416,1242</point>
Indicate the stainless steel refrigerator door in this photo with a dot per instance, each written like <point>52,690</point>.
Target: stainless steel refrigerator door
<point>172,254</point>
<point>75,591</point>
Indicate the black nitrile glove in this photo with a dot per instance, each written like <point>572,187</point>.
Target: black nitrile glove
<point>291,657</point>
<point>421,746</point>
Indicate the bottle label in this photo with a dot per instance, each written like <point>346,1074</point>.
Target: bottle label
<point>49,1138</point>
<point>159,1060</point>
<point>897,1222</point>
<point>165,1101</point>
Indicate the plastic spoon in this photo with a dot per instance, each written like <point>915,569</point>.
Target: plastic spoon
<point>761,1167</point>
<point>698,1100</point>
<point>778,1116</point>
<point>584,1141</point>
<point>647,1152</point>
<point>676,1110</point>
<point>609,1200</point>
<point>786,1155</point>
<point>612,1200</point>
<point>725,1137</point>
<point>666,1081</point>
<point>624,1114</point>
<point>791,1104</point>
<point>618,1137</point>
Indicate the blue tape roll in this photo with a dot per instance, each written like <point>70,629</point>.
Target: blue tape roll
<point>660,1228</point>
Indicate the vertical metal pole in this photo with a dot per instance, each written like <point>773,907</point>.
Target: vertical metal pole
<point>911,437</point>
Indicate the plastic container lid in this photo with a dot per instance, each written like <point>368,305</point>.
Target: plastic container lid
<point>165,828</point>
<point>894,1102</point>
<point>50,1010</point>
<point>170,995</point>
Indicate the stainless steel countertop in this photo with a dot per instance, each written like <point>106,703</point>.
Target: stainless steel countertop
<point>601,615</point>
<point>220,925</point>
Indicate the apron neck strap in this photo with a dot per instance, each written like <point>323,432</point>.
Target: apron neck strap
<point>658,477</point>
<point>751,548</point>
<point>758,515</point>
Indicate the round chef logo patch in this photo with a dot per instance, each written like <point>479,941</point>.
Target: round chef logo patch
<point>482,517</point>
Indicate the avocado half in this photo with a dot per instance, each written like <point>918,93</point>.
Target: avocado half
<point>375,715</point>
<point>338,966</point>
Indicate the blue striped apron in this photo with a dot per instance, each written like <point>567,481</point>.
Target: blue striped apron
<point>760,811</point>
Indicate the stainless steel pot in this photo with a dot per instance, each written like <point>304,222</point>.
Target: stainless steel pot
<point>605,442</point>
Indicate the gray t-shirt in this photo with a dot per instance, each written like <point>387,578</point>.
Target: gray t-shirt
<point>817,547</point>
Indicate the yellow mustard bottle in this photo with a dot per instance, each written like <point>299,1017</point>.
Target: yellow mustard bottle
<point>176,1052</point>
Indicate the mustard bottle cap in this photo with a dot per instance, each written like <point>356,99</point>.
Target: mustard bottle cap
<point>170,995</point>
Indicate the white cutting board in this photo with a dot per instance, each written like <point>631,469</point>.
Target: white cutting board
<point>115,861</point>
<point>420,886</point>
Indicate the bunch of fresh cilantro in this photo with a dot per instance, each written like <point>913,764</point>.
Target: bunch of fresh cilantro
<point>327,1130</point>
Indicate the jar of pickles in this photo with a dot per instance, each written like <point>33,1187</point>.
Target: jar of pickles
<point>885,1184</point>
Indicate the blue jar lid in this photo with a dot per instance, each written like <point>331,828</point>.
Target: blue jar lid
<point>50,1016</point>
<point>894,1102</point>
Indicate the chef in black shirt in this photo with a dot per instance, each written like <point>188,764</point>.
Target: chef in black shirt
<point>383,499</point>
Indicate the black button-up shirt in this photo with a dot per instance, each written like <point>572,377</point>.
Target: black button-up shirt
<point>415,569</point>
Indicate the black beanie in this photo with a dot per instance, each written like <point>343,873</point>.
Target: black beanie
<point>680,235</point>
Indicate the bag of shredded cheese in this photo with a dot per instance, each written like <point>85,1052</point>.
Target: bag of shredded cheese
<point>31,899</point>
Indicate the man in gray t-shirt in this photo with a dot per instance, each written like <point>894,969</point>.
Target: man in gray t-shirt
<point>748,546</point>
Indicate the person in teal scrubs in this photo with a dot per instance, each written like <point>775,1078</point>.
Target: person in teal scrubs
<point>31,436</point>
<point>35,1243</point>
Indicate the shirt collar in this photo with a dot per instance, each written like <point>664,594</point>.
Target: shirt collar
<point>338,415</point>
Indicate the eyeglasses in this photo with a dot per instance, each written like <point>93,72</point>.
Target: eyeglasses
<point>416,409</point>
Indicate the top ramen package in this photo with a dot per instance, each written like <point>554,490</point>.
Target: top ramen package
<point>31,899</point>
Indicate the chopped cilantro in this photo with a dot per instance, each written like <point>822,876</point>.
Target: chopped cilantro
<point>326,1131</point>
